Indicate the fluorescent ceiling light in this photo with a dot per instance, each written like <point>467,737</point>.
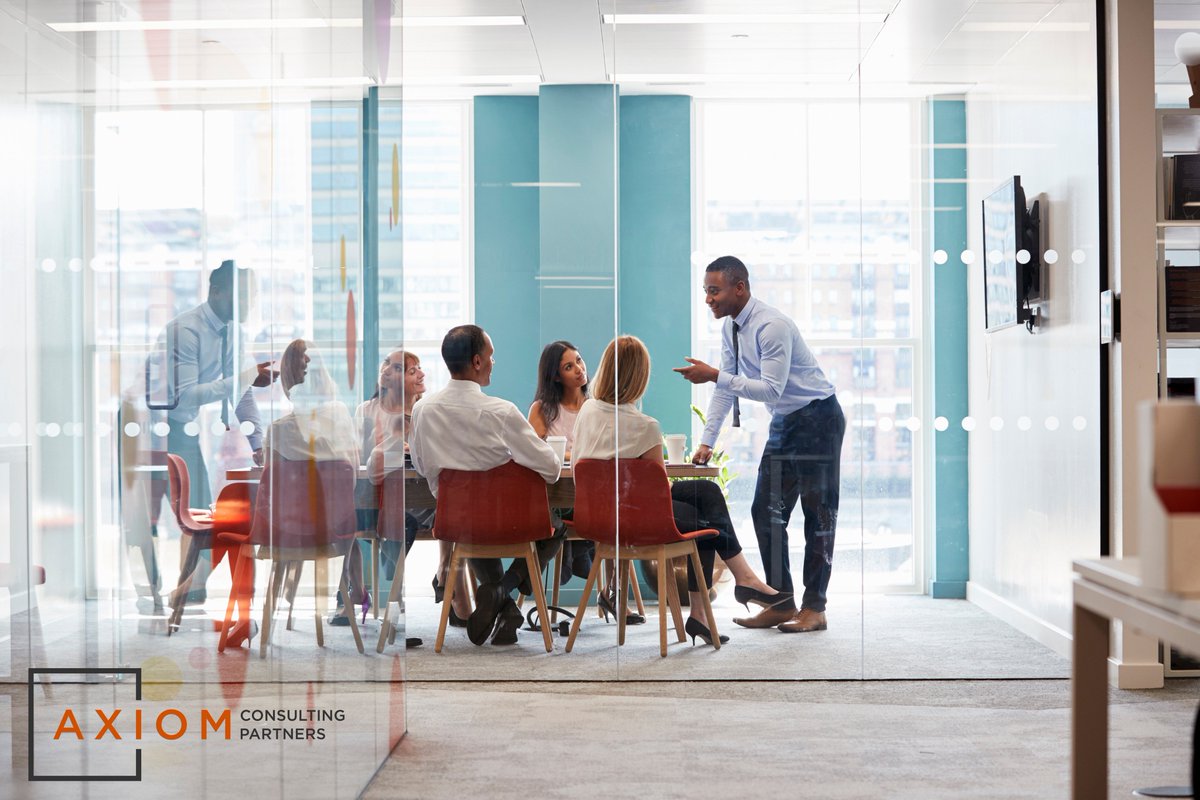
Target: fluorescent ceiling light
<point>463,80</point>
<point>285,23</point>
<point>702,78</point>
<point>244,83</point>
<point>1024,27</point>
<point>741,19</point>
<point>1177,24</point>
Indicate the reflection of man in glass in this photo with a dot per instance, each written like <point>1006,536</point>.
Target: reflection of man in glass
<point>207,370</point>
<point>764,358</point>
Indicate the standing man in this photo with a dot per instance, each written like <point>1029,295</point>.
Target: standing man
<point>462,428</point>
<point>203,368</point>
<point>764,358</point>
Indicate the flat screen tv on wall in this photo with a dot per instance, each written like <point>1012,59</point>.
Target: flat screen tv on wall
<point>1011,256</point>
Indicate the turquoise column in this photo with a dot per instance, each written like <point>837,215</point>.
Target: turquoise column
<point>948,223</point>
<point>578,218</point>
<point>656,295</point>
<point>506,240</point>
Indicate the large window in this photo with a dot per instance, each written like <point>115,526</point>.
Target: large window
<point>779,186</point>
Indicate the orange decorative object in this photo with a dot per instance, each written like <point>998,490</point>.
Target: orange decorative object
<point>351,339</point>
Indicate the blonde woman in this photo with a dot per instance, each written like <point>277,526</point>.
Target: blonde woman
<point>617,390</point>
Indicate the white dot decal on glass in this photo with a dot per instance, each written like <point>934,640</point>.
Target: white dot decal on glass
<point>913,424</point>
<point>885,424</point>
<point>995,256</point>
<point>161,429</point>
<point>217,428</point>
<point>968,424</point>
<point>53,429</point>
<point>1024,423</point>
<point>191,428</point>
<point>1050,256</point>
<point>1079,423</point>
<point>940,257</point>
<point>968,256</point>
<point>996,424</point>
<point>132,429</point>
<point>246,427</point>
<point>1022,256</point>
<point>1077,256</point>
<point>48,265</point>
<point>941,424</point>
<point>1051,423</point>
<point>75,264</point>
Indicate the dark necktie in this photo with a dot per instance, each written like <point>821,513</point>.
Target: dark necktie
<point>737,411</point>
<point>225,374</point>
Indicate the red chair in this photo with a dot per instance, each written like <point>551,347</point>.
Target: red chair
<point>391,528</point>
<point>499,513</point>
<point>304,512</point>
<point>636,492</point>
<point>196,525</point>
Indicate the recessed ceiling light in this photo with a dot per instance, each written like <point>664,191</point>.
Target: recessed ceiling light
<point>740,36</point>
<point>742,19</point>
<point>210,41</point>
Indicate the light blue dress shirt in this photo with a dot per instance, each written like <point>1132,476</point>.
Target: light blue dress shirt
<point>198,357</point>
<point>775,367</point>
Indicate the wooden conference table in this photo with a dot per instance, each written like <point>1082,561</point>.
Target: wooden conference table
<point>417,495</point>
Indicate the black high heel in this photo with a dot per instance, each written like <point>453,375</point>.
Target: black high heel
<point>606,608</point>
<point>438,590</point>
<point>695,628</point>
<point>746,595</point>
<point>456,621</point>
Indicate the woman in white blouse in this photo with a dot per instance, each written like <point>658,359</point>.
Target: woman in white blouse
<point>696,504</point>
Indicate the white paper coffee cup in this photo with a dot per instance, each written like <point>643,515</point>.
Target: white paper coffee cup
<point>676,444</point>
<point>559,443</point>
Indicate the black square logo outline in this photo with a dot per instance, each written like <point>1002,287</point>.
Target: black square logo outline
<point>35,671</point>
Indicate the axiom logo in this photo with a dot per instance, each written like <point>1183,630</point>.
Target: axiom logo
<point>170,724</point>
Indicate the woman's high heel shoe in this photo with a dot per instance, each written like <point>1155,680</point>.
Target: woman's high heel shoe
<point>438,590</point>
<point>746,595</point>
<point>456,621</point>
<point>366,605</point>
<point>606,607</point>
<point>695,628</point>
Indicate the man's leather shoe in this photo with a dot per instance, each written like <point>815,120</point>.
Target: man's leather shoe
<point>489,599</point>
<point>767,618</point>
<point>510,620</point>
<point>806,620</point>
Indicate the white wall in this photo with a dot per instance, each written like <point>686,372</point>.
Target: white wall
<point>1035,496</point>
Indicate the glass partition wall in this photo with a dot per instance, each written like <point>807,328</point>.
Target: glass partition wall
<point>193,261</point>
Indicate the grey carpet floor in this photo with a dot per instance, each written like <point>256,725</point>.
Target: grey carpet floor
<point>894,739</point>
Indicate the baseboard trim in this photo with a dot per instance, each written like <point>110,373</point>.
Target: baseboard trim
<point>1034,627</point>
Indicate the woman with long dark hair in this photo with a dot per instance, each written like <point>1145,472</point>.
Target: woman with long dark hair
<point>562,388</point>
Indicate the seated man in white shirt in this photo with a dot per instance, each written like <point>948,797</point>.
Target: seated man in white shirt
<point>462,428</point>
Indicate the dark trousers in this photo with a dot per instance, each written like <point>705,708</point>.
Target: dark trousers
<point>200,490</point>
<point>698,505</point>
<point>801,461</point>
<point>491,570</point>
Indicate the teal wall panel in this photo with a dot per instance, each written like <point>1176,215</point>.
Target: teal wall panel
<point>657,299</point>
<point>948,201</point>
<point>507,241</point>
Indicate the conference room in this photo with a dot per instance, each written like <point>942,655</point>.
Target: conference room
<point>240,236</point>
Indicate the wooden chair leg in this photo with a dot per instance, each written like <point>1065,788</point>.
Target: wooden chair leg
<point>344,586</point>
<point>703,587</point>
<point>269,608</point>
<point>297,569</point>
<point>622,604</point>
<point>583,601</point>
<point>539,595</point>
<point>673,600</point>
<point>447,599</point>
<point>235,561</point>
<point>555,571</point>
<point>387,628</point>
<point>191,559</point>
<point>663,600</point>
<point>320,589</point>
<point>637,594</point>
<point>607,579</point>
<point>375,574</point>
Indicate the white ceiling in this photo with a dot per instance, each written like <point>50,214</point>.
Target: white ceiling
<point>904,47</point>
